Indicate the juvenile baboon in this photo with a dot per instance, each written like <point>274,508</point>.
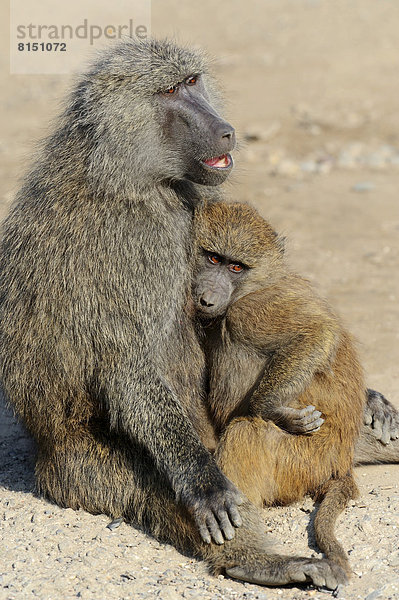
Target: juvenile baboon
<point>99,353</point>
<point>275,351</point>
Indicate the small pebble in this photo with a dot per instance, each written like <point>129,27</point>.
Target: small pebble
<point>115,524</point>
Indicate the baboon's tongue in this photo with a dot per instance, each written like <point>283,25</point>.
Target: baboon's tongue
<point>218,161</point>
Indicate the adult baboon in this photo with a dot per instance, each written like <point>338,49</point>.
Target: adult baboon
<point>275,351</point>
<point>99,354</point>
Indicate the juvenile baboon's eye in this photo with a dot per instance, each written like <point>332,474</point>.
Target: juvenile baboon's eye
<point>171,89</point>
<point>214,259</point>
<point>191,80</point>
<point>235,267</point>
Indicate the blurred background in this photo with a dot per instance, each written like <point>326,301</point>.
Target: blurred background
<point>312,88</point>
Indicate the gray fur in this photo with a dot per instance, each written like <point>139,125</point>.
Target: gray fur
<point>98,349</point>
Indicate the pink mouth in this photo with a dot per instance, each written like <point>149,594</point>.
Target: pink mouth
<point>218,162</point>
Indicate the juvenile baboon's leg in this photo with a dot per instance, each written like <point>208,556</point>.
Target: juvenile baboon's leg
<point>247,454</point>
<point>370,450</point>
<point>267,464</point>
<point>334,495</point>
<point>105,478</point>
<point>271,466</point>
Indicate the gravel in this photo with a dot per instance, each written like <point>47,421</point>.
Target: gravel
<point>53,553</point>
<point>352,156</point>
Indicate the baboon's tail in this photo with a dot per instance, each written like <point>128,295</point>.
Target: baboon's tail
<point>334,495</point>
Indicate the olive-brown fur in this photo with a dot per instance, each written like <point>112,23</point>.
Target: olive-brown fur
<point>278,343</point>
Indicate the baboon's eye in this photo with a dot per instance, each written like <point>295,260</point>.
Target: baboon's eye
<point>235,267</point>
<point>214,259</point>
<point>170,90</point>
<point>191,80</point>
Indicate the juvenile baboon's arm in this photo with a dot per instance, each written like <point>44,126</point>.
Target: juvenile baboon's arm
<point>297,335</point>
<point>290,368</point>
<point>233,372</point>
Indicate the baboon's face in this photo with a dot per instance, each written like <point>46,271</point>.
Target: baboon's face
<point>216,279</point>
<point>194,132</point>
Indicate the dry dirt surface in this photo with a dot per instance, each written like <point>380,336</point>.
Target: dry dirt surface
<point>312,88</point>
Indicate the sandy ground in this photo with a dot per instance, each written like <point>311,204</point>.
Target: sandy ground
<point>312,89</point>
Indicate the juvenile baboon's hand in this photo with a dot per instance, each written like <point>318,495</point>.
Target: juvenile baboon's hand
<point>214,506</point>
<point>381,416</point>
<point>294,420</point>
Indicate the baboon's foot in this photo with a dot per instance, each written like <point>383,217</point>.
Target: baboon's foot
<point>370,450</point>
<point>284,570</point>
<point>381,416</point>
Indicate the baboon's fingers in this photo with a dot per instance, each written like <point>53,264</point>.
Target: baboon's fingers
<point>308,420</point>
<point>232,510</point>
<point>308,414</point>
<point>210,529</point>
<point>214,529</point>
<point>390,428</point>
<point>308,410</point>
<point>386,433</point>
<point>218,525</point>
<point>295,420</point>
<point>368,417</point>
<point>214,508</point>
<point>377,429</point>
<point>314,426</point>
<point>216,517</point>
<point>319,579</point>
<point>203,530</point>
<point>225,525</point>
<point>385,430</point>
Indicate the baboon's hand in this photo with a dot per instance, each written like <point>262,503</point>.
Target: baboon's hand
<point>294,420</point>
<point>381,416</point>
<point>213,503</point>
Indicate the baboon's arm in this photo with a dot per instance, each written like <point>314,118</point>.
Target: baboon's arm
<point>297,336</point>
<point>148,411</point>
<point>290,368</point>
